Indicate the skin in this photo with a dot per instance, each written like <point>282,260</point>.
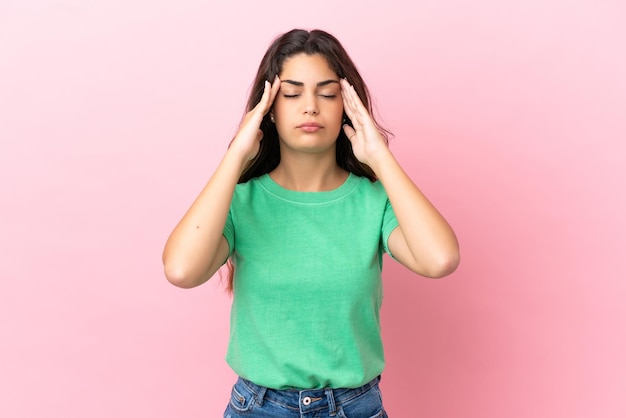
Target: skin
<point>423,242</point>
<point>310,92</point>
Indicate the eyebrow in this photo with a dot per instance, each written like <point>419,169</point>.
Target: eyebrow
<point>301,84</point>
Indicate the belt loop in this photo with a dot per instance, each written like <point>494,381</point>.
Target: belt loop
<point>332,409</point>
<point>260,395</point>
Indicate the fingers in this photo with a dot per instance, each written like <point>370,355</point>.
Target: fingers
<point>353,105</point>
<point>274,91</point>
<point>347,103</point>
<point>262,105</point>
<point>270,91</point>
<point>349,131</point>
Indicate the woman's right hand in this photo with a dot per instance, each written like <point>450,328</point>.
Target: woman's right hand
<point>197,248</point>
<point>247,141</point>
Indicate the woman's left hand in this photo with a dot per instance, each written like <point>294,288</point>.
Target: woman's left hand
<point>367,141</point>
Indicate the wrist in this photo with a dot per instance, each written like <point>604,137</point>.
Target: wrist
<point>236,158</point>
<point>380,160</point>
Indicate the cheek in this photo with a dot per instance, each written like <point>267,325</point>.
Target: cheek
<point>335,122</point>
<point>283,121</point>
<point>336,113</point>
<point>280,127</point>
<point>277,107</point>
<point>281,116</point>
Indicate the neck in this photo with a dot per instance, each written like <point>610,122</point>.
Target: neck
<point>309,173</point>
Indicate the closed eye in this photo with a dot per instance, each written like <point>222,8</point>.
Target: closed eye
<point>326,96</point>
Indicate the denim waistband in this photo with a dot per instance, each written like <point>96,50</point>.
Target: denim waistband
<point>308,400</point>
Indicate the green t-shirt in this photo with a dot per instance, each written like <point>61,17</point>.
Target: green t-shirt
<point>307,288</point>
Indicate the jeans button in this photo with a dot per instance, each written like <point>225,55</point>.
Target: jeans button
<point>306,401</point>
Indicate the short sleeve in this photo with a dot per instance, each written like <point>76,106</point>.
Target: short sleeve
<point>389,224</point>
<point>229,233</point>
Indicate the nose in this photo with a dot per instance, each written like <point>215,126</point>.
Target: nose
<point>310,106</point>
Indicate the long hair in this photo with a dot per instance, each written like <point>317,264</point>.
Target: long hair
<point>299,41</point>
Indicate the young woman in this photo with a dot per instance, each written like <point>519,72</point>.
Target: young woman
<point>302,205</point>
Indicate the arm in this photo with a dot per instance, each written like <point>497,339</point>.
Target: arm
<point>423,242</point>
<point>196,247</point>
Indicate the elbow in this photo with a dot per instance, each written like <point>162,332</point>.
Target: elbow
<point>444,265</point>
<point>179,276</point>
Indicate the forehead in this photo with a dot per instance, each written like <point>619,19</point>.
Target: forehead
<point>307,68</point>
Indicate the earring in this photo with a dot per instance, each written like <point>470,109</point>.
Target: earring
<point>272,118</point>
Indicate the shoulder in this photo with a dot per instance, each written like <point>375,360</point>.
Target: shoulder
<point>254,184</point>
<point>373,189</point>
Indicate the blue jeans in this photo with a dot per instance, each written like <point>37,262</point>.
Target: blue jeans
<point>254,401</point>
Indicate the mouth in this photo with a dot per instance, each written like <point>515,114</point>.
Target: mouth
<point>310,126</point>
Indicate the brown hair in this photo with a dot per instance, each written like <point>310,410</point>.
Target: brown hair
<point>298,41</point>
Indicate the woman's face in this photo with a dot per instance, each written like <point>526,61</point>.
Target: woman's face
<point>308,110</point>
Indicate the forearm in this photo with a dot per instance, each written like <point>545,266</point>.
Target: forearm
<point>428,236</point>
<point>189,256</point>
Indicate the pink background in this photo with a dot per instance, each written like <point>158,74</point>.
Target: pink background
<point>509,115</point>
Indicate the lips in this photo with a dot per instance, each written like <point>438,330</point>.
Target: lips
<point>310,126</point>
